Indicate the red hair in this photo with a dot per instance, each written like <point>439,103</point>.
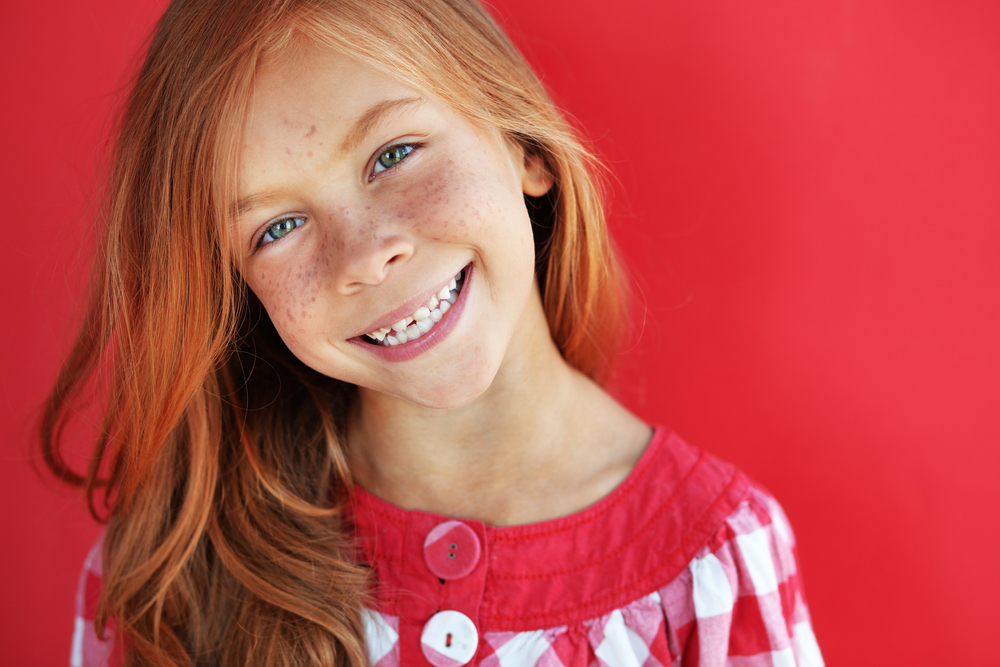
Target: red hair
<point>223,545</point>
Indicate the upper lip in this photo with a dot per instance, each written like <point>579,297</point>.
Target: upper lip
<point>407,309</point>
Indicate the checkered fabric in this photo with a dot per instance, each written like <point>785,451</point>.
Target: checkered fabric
<point>734,600</point>
<point>89,650</point>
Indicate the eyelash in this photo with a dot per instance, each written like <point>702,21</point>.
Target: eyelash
<point>409,149</point>
<point>299,220</point>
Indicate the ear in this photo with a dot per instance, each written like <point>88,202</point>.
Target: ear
<point>535,178</point>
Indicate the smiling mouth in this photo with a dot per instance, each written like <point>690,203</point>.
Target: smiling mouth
<point>422,320</point>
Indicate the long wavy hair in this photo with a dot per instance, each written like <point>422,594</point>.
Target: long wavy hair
<point>219,465</point>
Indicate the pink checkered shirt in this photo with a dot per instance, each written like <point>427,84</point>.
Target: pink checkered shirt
<point>686,563</point>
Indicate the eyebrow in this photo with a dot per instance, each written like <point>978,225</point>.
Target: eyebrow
<point>374,116</point>
<point>250,202</point>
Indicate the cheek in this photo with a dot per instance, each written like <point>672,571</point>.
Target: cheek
<point>453,202</point>
<point>290,296</point>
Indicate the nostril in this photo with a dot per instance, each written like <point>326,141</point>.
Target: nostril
<point>371,264</point>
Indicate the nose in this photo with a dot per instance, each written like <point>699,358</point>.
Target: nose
<point>367,258</point>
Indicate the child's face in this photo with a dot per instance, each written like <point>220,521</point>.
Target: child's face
<point>362,199</point>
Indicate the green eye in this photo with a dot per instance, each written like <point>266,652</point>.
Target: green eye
<point>281,228</point>
<point>392,156</point>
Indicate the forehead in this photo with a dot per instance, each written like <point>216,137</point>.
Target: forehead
<point>314,84</point>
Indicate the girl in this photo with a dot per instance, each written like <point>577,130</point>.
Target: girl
<point>354,301</point>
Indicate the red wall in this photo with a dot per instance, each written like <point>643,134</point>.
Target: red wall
<point>808,200</point>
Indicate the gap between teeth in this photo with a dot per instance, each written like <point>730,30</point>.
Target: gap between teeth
<point>422,320</point>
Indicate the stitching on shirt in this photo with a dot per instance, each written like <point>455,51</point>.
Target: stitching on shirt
<point>668,561</point>
<point>390,559</point>
<point>375,510</point>
<point>370,548</point>
<point>639,533</point>
<point>499,537</point>
<point>673,555</point>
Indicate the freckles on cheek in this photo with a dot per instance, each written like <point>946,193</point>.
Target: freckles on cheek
<point>447,204</point>
<point>422,205</point>
<point>290,294</point>
<point>329,245</point>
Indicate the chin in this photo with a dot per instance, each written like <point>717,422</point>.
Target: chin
<point>448,392</point>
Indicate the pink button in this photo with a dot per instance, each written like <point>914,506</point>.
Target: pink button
<point>449,639</point>
<point>451,550</point>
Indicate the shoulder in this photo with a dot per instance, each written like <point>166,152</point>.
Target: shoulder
<point>735,589</point>
<point>717,504</point>
<point>740,594</point>
<point>89,649</point>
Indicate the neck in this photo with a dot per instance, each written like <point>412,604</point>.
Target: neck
<point>534,445</point>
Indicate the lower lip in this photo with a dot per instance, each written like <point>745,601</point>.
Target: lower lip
<point>411,349</point>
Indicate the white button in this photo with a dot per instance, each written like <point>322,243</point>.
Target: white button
<point>449,639</point>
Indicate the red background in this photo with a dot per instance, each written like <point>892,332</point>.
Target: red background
<point>807,199</point>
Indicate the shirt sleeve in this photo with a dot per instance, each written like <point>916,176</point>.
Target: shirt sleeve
<point>89,650</point>
<point>740,601</point>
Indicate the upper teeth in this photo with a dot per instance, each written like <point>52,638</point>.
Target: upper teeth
<point>423,318</point>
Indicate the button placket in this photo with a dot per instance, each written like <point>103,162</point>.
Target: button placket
<point>422,593</point>
<point>453,553</point>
